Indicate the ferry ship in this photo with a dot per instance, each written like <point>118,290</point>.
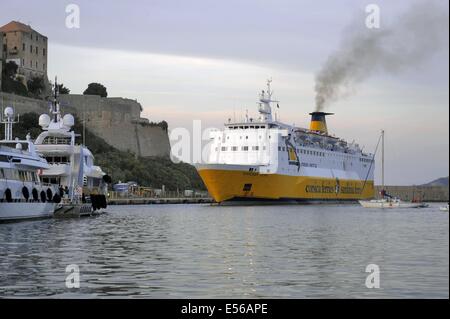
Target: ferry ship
<point>265,160</point>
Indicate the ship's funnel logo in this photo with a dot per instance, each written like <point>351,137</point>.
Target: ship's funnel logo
<point>318,122</point>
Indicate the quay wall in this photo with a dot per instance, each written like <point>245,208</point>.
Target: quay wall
<point>116,120</point>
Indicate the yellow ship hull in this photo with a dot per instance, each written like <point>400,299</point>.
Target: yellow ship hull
<point>224,184</point>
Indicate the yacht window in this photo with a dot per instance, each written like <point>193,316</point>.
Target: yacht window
<point>223,148</point>
<point>255,148</point>
<point>245,148</point>
<point>234,148</point>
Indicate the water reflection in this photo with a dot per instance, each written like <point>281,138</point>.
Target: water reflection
<point>195,251</point>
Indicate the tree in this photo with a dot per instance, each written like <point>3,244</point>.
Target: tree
<point>10,69</point>
<point>96,89</point>
<point>9,82</point>
<point>62,89</point>
<point>12,86</point>
<point>36,85</point>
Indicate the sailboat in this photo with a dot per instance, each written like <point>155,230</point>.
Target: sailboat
<point>388,201</point>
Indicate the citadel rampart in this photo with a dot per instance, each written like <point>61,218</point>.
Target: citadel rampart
<point>116,120</point>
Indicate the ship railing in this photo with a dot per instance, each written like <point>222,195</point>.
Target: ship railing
<point>56,140</point>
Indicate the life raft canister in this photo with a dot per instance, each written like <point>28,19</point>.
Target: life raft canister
<point>43,197</point>
<point>35,194</point>
<point>25,193</point>
<point>49,194</point>
<point>57,199</point>
<point>8,195</point>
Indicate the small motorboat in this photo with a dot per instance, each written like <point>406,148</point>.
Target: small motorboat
<point>444,208</point>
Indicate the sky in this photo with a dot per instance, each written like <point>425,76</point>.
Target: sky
<point>207,60</point>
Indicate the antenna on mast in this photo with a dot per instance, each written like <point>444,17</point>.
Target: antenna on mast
<point>55,101</point>
<point>8,119</point>
<point>265,100</point>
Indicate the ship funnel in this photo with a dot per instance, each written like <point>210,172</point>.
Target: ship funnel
<point>318,122</point>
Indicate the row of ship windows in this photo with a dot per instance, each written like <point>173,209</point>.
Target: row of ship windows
<point>283,149</point>
<point>56,140</point>
<point>246,137</point>
<point>57,159</point>
<point>246,127</point>
<point>306,152</point>
<point>243,148</point>
<point>13,174</point>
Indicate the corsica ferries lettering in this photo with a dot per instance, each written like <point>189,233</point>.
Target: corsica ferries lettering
<point>326,189</point>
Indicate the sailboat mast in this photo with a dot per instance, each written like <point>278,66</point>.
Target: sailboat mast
<point>382,159</point>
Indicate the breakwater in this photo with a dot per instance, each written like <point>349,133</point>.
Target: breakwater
<point>424,193</point>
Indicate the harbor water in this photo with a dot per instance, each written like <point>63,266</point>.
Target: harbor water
<point>204,251</point>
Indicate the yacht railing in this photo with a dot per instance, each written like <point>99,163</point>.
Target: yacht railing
<point>56,141</point>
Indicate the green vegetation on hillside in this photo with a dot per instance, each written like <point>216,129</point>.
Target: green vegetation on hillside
<point>124,166</point>
<point>14,83</point>
<point>9,83</point>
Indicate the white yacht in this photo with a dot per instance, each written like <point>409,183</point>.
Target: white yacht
<point>22,194</point>
<point>71,165</point>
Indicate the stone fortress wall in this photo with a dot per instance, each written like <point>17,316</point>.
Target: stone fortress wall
<point>116,120</point>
